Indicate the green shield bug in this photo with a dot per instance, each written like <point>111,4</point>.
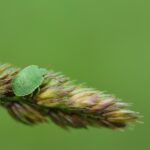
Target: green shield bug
<point>28,80</point>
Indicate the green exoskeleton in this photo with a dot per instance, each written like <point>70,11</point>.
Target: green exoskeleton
<point>28,80</point>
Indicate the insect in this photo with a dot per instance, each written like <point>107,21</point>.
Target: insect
<point>34,95</point>
<point>27,80</point>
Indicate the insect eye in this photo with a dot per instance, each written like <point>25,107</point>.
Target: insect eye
<point>28,80</point>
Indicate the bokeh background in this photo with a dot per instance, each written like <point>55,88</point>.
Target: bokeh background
<point>105,43</point>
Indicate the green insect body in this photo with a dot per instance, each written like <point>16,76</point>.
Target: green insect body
<point>58,99</point>
<point>28,80</point>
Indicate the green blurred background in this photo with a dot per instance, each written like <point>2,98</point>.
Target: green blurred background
<point>104,43</point>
